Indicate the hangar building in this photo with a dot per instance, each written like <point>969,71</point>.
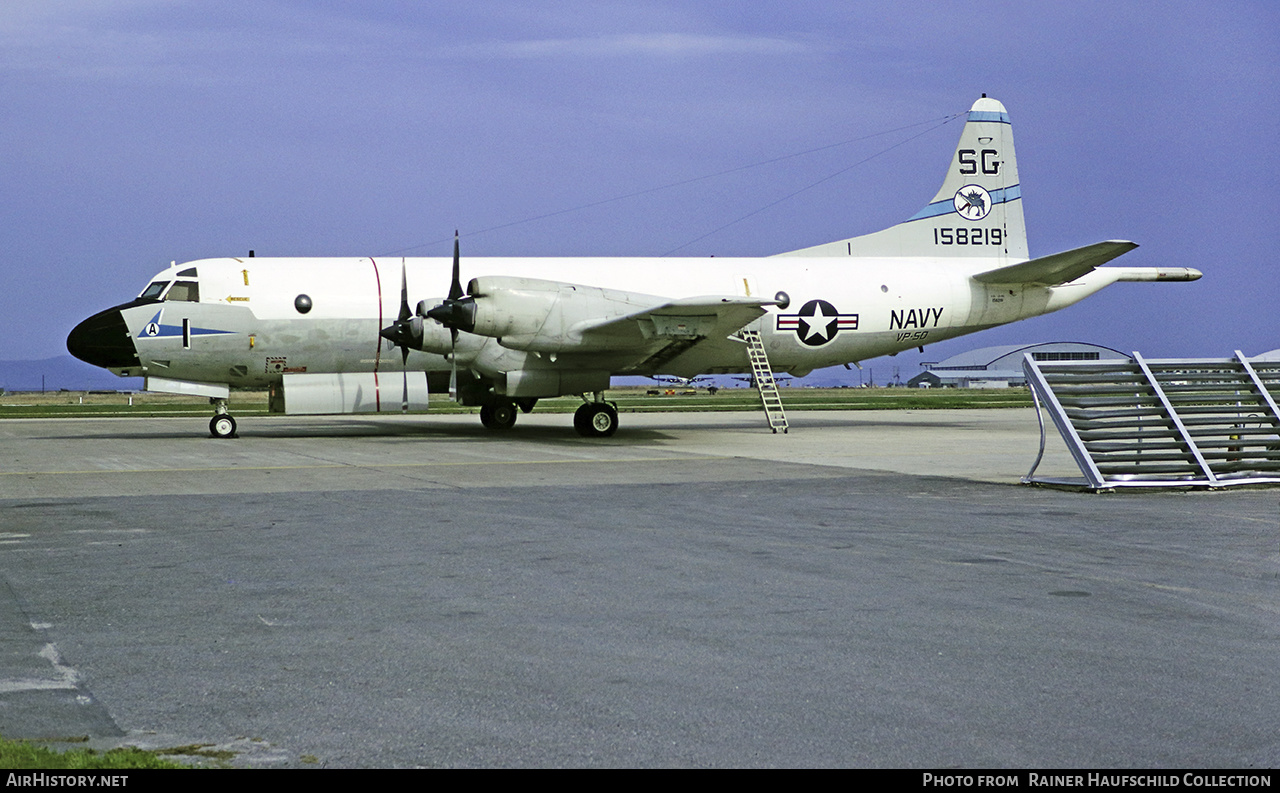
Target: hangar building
<point>1001,367</point>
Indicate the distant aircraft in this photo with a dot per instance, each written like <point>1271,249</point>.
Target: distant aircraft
<point>750,380</point>
<point>690,383</point>
<point>339,336</point>
<point>683,382</point>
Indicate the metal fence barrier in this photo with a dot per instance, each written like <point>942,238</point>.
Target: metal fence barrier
<point>1161,423</point>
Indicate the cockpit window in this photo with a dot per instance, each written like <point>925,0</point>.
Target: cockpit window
<point>190,272</point>
<point>185,291</point>
<point>154,290</point>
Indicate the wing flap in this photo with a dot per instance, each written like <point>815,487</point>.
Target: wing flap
<point>1058,268</point>
<point>684,319</point>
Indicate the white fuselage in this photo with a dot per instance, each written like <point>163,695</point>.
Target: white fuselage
<point>246,328</point>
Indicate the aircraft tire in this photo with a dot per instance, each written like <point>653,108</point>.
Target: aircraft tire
<point>501,416</point>
<point>580,420</point>
<point>222,426</point>
<point>596,420</point>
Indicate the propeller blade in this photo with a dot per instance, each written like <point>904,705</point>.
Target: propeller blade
<point>455,288</point>
<point>404,367</point>
<point>455,294</point>
<point>401,334</point>
<point>404,293</point>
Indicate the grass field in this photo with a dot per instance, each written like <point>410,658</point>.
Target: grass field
<point>74,404</point>
<point>34,757</point>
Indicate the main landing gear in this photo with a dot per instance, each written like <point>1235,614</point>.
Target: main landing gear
<point>598,419</point>
<point>498,416</point>
<point>501,415</point>
<point>222,425</point>
<point>593,419</point>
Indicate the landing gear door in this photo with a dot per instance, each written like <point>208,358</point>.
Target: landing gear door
<point>354,392</point>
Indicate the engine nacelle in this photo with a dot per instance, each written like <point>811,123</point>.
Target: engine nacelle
<point>536,315</point>
<point>513,306</point>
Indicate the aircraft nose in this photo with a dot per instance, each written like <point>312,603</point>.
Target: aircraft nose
<point>103,340</point>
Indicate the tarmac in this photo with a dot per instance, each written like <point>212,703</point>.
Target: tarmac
<point>872,589</point>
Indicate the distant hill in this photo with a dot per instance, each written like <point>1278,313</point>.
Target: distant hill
<point>62,372</point>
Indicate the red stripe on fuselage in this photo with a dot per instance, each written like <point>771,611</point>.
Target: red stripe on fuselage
<point>377,354</point>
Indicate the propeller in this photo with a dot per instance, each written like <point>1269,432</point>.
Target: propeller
<point>457,312</point>
<point>402,334</point>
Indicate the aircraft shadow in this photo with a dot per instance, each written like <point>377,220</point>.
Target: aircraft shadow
<point>415,431</point>
<point>425,429</point>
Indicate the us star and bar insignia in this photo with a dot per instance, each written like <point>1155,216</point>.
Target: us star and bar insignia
<point>817,322</point>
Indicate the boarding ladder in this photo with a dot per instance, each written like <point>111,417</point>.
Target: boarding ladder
<point>762,374</point>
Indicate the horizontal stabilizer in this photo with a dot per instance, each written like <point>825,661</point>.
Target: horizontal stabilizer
<point>1058,268</point>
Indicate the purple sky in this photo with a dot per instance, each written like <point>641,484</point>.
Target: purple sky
<point>137,132</point>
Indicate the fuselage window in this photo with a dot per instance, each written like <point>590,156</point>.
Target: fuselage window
<point>154,290</point>
<point>184,291</point>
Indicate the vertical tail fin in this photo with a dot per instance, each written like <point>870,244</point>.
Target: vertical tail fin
<point>977,212</point>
